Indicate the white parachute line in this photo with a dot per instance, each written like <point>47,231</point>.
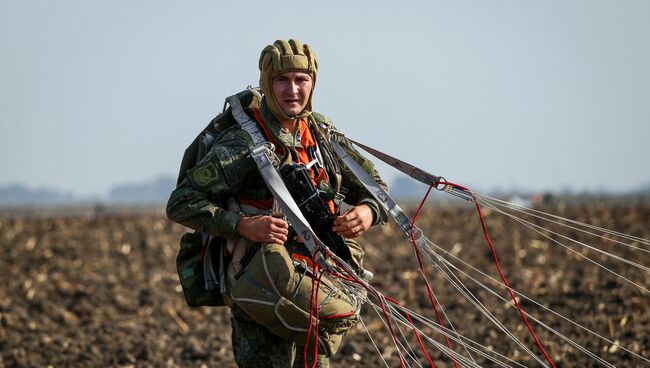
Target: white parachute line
<point>373,342</point>
<point>451,324</point>
<point>485,201</point>
<point>442,309</point>
<point>353,288</point>
<point>410,353</point>
<point>379,313</point>
<point>593,356</point>
<point>459,339</point>
<point>385,303</point>
<point>396,317</point>
<point>579,223</point>
<point>557,333</point>
<point>434,325</point>
<point>462,289</point>
<point>481,308</point>
<point>475,301</point>
<point>533,227</point>
<point>452,354</point>
<point>586,351</point>
<point>528,210</point>
<point>524,210</point>
<point>529,299</point>
<point>428,253</point>
<point>520,220</point>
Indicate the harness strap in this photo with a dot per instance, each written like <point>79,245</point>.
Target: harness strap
<point>265,158</point>
<point>377,192</point>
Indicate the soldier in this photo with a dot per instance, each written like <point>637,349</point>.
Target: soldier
<point>225,196</point>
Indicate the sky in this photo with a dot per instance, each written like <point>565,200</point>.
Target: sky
<point>545,95</point>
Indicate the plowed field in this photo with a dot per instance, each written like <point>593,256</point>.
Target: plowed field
<point>101,290</point>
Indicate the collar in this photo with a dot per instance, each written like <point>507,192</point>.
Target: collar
<point>284,137</point>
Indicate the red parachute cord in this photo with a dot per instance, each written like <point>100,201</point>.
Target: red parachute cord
<point>503,278</point>
<point>424,275</point>
<point>381,298</point>
<point>316,331</point>
<point>313,297</point>
<point>415,331</point>
<point>408,316</point>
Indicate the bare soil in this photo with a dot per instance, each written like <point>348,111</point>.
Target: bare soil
<point>101,290</point>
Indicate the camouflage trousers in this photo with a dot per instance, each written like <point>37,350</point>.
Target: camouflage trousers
<point>254,346</point>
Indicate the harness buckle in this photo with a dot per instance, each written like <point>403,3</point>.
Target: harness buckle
<point>264,153</point>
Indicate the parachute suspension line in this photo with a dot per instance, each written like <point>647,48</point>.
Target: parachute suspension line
<point>573,343</point>
<point>390,311</point>
<point>373,341</point>
<point>405,345</point>
<point>575,222</point>
<point>397,320</point>
<point>400,320</point>
<point>535,228</point>
<point>432,257</point>
<point>541,215</point>
<point>424,276</point>
<point>463,361</point>
<point>591,247</point>
<point>399,217</point>
<point>503,278</point>
<point>380,297</point>
<point>422,319</point>
<point>390,327</point>
<point>462,289</point>
<point>415,332</point>
<point>459,339</point>
<point>350,290</point>
<point>485,287</point>
<point>313,314</point>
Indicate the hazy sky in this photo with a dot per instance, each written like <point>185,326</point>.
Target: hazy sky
<point>541,95</point>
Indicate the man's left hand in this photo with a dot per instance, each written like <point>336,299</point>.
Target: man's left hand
<point>353,222</point>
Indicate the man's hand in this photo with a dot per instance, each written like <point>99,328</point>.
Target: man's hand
<point>353,222</point>
<point>263,229</point>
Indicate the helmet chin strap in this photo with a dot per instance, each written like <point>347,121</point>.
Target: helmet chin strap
<point>285,56</point>
<point>275,108</point>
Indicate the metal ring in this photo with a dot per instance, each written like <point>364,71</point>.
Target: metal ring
<point>441,181</point>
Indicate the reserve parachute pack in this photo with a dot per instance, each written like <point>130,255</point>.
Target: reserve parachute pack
<point>275,290</point>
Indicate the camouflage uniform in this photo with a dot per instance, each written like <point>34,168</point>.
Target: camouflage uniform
<point>226,172</point>
<point>255,346</point>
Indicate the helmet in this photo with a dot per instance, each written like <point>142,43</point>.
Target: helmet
<point>284,56</point>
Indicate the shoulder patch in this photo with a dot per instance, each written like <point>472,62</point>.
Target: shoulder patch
<point>205,174</point>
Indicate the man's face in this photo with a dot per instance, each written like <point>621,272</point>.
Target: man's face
<point>292,90</point>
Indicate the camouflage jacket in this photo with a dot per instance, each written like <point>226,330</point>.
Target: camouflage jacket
<point>228,171</point>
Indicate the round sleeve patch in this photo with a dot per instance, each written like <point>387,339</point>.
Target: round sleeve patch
<point>205,174</point>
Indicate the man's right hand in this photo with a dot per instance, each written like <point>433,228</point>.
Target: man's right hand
<point>263,229</point>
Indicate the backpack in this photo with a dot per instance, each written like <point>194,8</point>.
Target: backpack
<point>200,262</point>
